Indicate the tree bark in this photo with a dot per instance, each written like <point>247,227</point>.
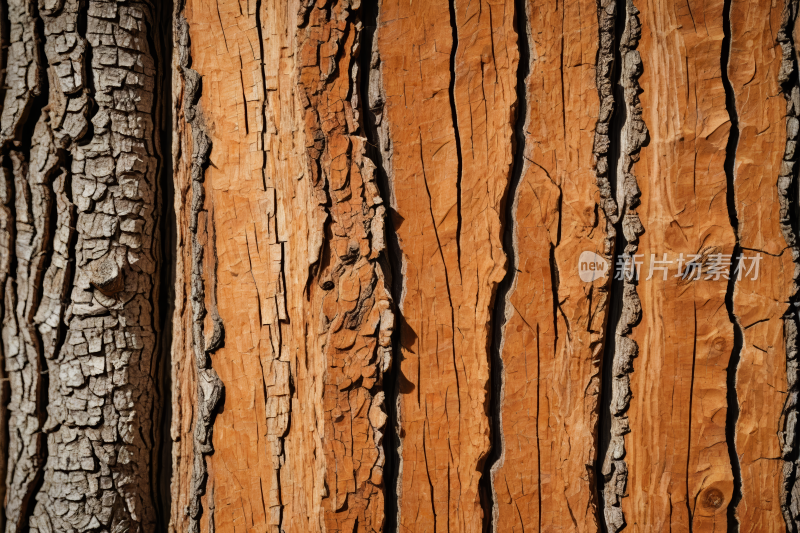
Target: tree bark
<point>383,265</point>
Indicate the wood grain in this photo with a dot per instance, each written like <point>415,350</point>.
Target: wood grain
<point>552,350</point>
<point>449,94</point>
<point>759,305</point>
<point>680,476</point>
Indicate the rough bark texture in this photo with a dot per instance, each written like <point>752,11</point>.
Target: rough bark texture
<point>452,166</point>
<point>81,176</point>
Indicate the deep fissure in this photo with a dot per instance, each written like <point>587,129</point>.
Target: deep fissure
<point>454,113</point>
<point>618,117</point>
<point>732,415</point>
<point>166,297</point>
<point>501,303</point>
<point>371,101</point>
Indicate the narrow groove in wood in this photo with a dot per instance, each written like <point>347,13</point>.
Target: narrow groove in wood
<point>451,91</point>
<point>502,305</point>
<point>160,38</point>
<point>732,415</point>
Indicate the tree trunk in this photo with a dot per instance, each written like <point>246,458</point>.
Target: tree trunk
<point>381,265</point>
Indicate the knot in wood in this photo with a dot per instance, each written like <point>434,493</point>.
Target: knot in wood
<point>714,498</point>
<point>107,276</point>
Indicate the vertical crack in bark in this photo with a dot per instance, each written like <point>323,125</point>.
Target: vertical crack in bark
<point>346,282</point>
<point>376,129</point>
<point>452,95</point>
<point>6,240</point>
<point>788,197</point>
<point>161,40</point>
<point>503,308</point>
<point>633,136</point>
<point>210,388</point>
<point>732,415</point>
<point>608,132</point>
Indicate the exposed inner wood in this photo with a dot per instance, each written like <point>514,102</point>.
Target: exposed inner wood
<point>450,94</point>
<point>679,474</point>
<point>558,215</point>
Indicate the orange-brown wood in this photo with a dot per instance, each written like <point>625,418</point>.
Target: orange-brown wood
<point>759,305</point>
<point>680,477</point>
<point>552,351</point>
<point>449,177</point>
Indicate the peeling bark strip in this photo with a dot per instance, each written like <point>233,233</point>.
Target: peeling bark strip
<point>448,224</point>
<point>556,327</point>
<point>633,136</point>
<point>209,386</point>
<point>679,472</point>
<point>760,305</point>
<point>788,190</point>
<point>347,238</point>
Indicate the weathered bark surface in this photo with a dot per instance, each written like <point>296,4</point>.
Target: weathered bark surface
<point>496,148</point>
<point>680,476</point>
<point>81,168</point>
<point>449,96</point>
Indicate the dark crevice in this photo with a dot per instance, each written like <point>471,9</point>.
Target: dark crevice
<point>454,113</point>
<point>161,45</point>
<point>689,438</point>
<point>89,85</point>
<point>373,115</point>
<point>732,416</point>
<point>616,286</point>
<point>501,305</point>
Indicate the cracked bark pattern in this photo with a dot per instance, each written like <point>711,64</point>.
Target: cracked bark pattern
<point>632,137</point>
<point>346,240</point>
<point>85,246</point>
<point>759,305</point>
<point>447,122</point>
<point>283,290</point>
<point>295,217</point>
<point>679,473</point>
<point>101,367</point>
<point>558,214</point>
